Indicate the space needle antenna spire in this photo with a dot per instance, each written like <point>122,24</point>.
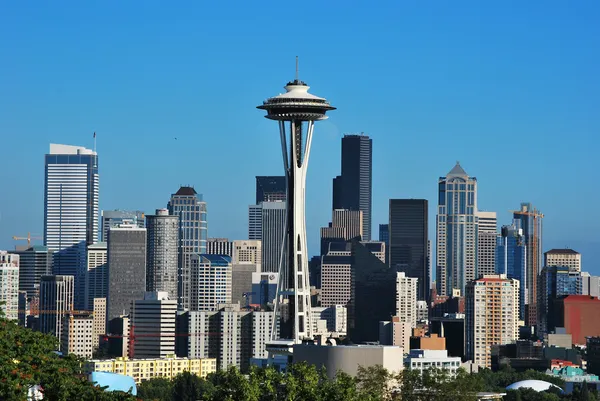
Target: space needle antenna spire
<point>295,112</point>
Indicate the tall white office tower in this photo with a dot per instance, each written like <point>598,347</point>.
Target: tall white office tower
<point>487,236</point>
<point>153,325</point>
<point>9,285</point>
<point>56,302</point>
<point>456,231</point>
<point>71,211</point>
<point>162,256</point>
<point>298,110</point>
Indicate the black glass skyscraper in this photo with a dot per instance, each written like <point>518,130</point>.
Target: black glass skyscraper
<point>270,189</point>
<point>408,241</point>
<point>352,189</point>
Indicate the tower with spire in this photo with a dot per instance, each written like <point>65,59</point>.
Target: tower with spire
<point>295,112</point>
<point>456,231</point>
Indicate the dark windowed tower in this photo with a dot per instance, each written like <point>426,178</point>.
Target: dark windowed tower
<point>270,189</point>
<point>352,190</point>
<point>408,241</point>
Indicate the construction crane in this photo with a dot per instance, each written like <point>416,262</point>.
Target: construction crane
<point>28,238</point>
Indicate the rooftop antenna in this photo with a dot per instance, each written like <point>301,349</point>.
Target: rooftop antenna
<point>297,68</point>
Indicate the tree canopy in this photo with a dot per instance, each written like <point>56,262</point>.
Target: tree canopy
<point>28,358</point>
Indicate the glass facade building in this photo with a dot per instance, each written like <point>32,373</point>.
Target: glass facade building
<point>511,260</point>
<point>555,282</point>
<point>457,231</point>
<point>71,192</point>
<point>352,189</point>
<point>408,241</point>
<point>529,219</point>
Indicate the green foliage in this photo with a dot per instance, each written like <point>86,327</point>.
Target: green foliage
<point>157,389</point>
<point>27,358</point>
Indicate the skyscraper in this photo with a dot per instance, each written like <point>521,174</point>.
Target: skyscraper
<point>193,234</point>
<point>219,246</point>
<point>408,241</point>
<point>97,273</point>
<point>153,321</point>
<point>162,255</point>
<point>345,225</point>
<point>511,260</point>
<point>126,268</point>
<point>491,316</point>
<point>71,210</point>
<point>34,262</point>
<point>486,243</point>
<point>255,222</point>
<point>406,299</point>
<point>563,257</point>
<point>113,218</point>
<point>529,219</point>
<point>554,282</point>
<point>272,235</point>
<point>56,301</point>
<point>210,281</point>
<point>384,235</point>
<point>270,189</point>
<point>456,231</point>
<point>352,189</point>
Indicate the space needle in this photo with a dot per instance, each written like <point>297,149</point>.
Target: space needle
<point>296,111</point>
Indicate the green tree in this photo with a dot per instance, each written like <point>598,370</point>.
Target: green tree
<point>27,358</point>
<point>231,385</point>
<point>341,388</point>
<point>189,387</point>
<point>157,389</point>
<point>373,383</point>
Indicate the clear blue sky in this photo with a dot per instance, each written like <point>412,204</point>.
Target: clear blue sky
<point>509,88</point>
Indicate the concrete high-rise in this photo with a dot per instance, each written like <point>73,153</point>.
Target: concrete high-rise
<point>456,231</point>
<point>97,273</point>
<point>219,246</point>
<point>345,225</point>
<point>76,337</point>
<point>114,218</point>
<point>270,189</point>
<point>71,210</point>
<point>352,190</point>
<point>529,219</point>
<point>210,281</point>
<point>126,268</point>
<point>487,234</point>
<point>408,241</point>
<point>511,260</point>
<point>9,285</point>
<point>162,255</point>
<point>406,299</point>
<point>247,252</point>
<point>34,262</point>
<point>99,314</point>
<point>188,205</point>
<point>563,257</point>
<point>298,110</point>
<point>56,301</point>
<point>153,324</point>
<point>491,316</point>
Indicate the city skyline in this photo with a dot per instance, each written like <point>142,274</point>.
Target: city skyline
<point>508,176</point>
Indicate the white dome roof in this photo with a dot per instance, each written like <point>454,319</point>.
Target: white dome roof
<point>537,385</point>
